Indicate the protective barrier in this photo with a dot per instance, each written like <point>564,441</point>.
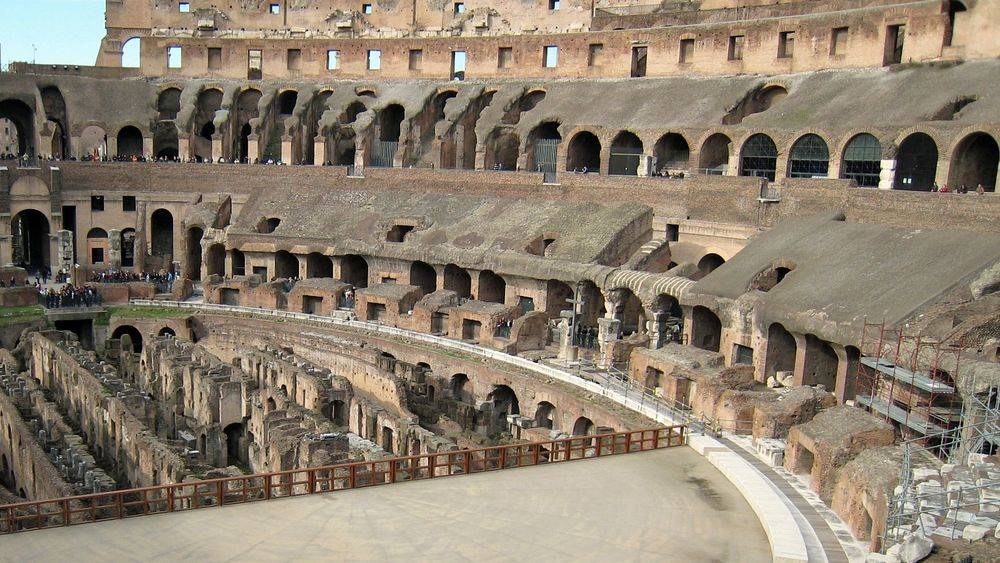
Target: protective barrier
<point>242,489</point>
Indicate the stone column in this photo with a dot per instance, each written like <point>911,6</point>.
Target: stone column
<point>608,331</point>
<point>286,149</point>
<point>319,150</point>
<point>184,148</point>
<point>112,144</point>
<point>645,165</point>
<point>801,353</point>
<point>658,333</point>
<point>253,147</point>
<point>63,251</point>
<point>567,348</point>
<point>147,147</point>
<point>115,248</point>
<point>216,146</point>
<point>887,177</point>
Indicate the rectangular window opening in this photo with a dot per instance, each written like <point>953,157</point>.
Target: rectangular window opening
<point>332,59</point>
<point>458,60</point>
<point>128,203</point>
<point>550,56</point>
<point>174,57</point>
<point>255,61</point>
<point>459,8</point>
<point>374,59</point>
<point>786,44</point>
<point>686,51</point>
<point>184,7</point>
<point>214,58</point>
<point>97,203</point>
<point>505,56</point>
<point>275,8</point>
<point>594,54</point>
<point>894,35</point>
<point>736,47</point>
<point>366,8</point>
<point>416,59</point>
<point>294,59</point>
<point>639,61</point>
<point>838,41</point>
<point>553,5</point>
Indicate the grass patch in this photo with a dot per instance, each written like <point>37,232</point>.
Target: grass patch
<point>139,312</point>
<point>18,315</point>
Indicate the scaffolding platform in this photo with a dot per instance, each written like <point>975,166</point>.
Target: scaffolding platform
<point>902,416</point>
<point>918,380</point>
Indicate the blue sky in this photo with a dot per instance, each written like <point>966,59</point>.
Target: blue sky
<point>62,31</point>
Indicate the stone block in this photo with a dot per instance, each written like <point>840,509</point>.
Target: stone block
<point>914,548</point>
<point>973,532</point>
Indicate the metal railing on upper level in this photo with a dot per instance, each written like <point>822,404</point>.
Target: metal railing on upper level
<point>242,489</point>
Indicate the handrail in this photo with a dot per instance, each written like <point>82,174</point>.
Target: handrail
<point>176,497</point>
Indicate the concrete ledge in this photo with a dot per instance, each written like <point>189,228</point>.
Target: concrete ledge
<point>787,543</point>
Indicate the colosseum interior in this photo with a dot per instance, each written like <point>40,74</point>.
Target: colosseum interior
<point>311,246</point>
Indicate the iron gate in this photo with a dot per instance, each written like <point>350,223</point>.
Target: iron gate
<point>383,153</point>
<point>545,154</point>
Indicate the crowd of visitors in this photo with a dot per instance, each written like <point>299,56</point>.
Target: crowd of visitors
<point>69,295</point>
<point>164,281</point>
<point>963,189</point>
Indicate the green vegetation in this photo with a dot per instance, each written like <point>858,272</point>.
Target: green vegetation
<point>139,312</point>
<point>19,315</point>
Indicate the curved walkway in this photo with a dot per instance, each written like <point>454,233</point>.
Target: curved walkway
<point>795,528</point>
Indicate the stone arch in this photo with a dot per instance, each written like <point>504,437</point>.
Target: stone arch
<point>629,311</point>
<point>974,161</point>
<point>862,160</point>
<point>708,263</point>
<point>584,153</point>
<point>286,102</point>
<point>526,102</point>
<point>286,265</point>
<point>165,141</point>
<point>215,263</point>
<point>557,296</point>
<point>583,426</point>
<point>759,157</point>
<point>318,265</point>
<point>457,279</point>
<point>809,157</point>
<point>543,143</point>
<point>706,329</point>
<point>713,158</point>
<point>30,233</point>
<point>247,109</point>
<point>916,163</point>
<point>129,142</point>
<point>167,331</point>
<point>626,154</point>
<point>759,99</point>
<point>672,153</point>
<point>354,270</point>
<point>461,388</point>
<point>502,147</point>
<point>168,103</point>
<point>821,362</point>
<point>93,142</point>
<point>55,111</point>
<point>23,119</point>
<point>162,235</point>
<point>132,334</point>
<point>423,276</point>
<point>492,287</point>
<point>390,122</point>
<point>545,415</point>
<point>781,349</point>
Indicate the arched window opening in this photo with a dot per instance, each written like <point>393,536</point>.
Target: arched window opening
<point>708,264</point>
<point>557,298</point>
<point>22,117</point>
<point>545,139</point>
<point>916,163</point>
<point>129,142</point>
<point>492,288</point>
<point>318,266</point>
<point>759,157</point>
<point>706,329</point>
<point>672,154</point>
<point>809,158</point>
<point>545,415</point>
<point>354,270</point>
<point>714,156</point>
<point>862,161</point>
<point>974,163</point>
<point>286,265</point>
<point>461,389</point>
<point>583,427</point>
<point>423,276</point>
<point>584,153</point>
<point>168,104</point>
<point>626,152</point>
<point>30,240</point>
<point>162,227</point>
<point>390,121</point>
<point>287,101</point>
<point>457,279</point>
<point>130,337</point>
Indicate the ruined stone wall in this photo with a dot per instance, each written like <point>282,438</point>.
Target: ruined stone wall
<point>26,468</point>
<point>114,419</point>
